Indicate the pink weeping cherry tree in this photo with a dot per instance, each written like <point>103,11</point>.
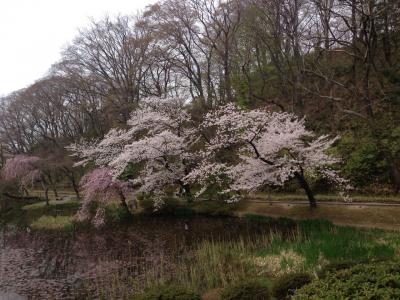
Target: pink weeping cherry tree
<point>25,170</point>
<point>267,148</point>
<point>99,188</point>
<point>157,140</point>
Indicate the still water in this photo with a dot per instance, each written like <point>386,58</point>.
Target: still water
<point>71,265</point>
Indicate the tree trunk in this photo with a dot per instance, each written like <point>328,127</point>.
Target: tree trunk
<point>184,189</point>
<point>71,177</point>
<point>46,195</point>
<point>53,186</point>
<point>75,187</point>
<point>25,191</point>
<point>306,187</point>
<point>124,205</point>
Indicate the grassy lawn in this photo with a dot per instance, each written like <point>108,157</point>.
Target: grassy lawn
<point>60,223</point>
<point>53,204</point>
<point>39,216</point>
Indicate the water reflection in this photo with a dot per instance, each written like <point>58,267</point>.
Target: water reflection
<point>59,266</point>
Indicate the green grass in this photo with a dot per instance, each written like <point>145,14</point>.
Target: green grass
<point>320,242</point>
<point>59,223</point>
<point>28,215</point>
<point>61,204</point>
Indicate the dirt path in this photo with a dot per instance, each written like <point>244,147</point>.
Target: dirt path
<point>371,215</point>
<point>324,203</point>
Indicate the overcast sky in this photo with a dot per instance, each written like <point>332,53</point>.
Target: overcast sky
<point>33,32</point>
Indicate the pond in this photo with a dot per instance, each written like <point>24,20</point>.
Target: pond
<point>70,266</point>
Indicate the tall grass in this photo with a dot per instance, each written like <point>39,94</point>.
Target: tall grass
<point>217,263</point>
<point>319,242</point>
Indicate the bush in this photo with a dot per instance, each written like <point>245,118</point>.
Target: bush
<point>336,266</point>
<point>247,290</point>
<point>214,207</point>
<point>168,293</point>
<point>379,280</point>
<point>145,203</point>
<point>172,206</point>
<point>285,286</point>
<point>7,187</point>
<point>117,213</point>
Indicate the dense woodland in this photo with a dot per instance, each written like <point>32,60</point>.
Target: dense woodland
<point>334,62</point>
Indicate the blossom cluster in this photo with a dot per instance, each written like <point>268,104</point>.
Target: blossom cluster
<point>99,188</point>
<point>23,168</point>
<point>242,150</point>
<point>269,148</point>
<point>157,139</point>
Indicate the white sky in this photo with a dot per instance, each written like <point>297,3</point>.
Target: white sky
<point>33,32</point>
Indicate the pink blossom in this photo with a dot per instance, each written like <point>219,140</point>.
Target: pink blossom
<point>100,187</point>
<point>269,149</point>
<point>157,138</point>
<point>23,168</point>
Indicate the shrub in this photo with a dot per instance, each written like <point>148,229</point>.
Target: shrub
<point>214,207</point>
<point>169,206</point>
<point>145,203</point>
<point>172,206</point>
<point>116,213</point>
<point>379,280</point>
<point>168,293</point>
<point>286,285</point>
<point>7,187</point>
<point>247,290</point>
<point>336,266</point>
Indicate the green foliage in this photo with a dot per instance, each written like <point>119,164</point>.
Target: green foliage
<point>336,266</point>
<point>318,240</point>
<point>286,285</point>
<point>117,213</point>
<point>145,202</point>
<point>214,208</point>
<point>10,188</point>
<point>172,206</point>
<point>364,160</point>
<point>250,289</point>
<point>380,280</point>
<point>168,292</point>
<point>131,171</point>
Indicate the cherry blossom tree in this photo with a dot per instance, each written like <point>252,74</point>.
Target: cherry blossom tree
<point>268,148</point>
<point>99,187</point>
<point>157,139</point>
<point>244,151</point>
<point>26,170</point>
